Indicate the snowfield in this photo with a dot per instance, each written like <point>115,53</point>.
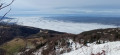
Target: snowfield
<point>69,27</point>
<point>110,48</point>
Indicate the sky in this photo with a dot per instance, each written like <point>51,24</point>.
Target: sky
<point>85,7</point>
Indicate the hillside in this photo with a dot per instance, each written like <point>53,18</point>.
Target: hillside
<point>23,40</point>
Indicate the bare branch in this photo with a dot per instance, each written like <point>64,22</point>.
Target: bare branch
<point>6,5</point>
<point>1,4</point>
<point>5,15</point>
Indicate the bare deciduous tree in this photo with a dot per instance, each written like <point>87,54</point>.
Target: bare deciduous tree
<point>2,6</point>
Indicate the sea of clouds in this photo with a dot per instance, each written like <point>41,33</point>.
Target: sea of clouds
<point>61,26</point>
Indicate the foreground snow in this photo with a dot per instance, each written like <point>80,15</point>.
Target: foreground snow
<point>110,48</point>
<point>56,25</point>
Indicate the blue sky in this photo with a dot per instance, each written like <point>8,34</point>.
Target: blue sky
<point>102,7</point>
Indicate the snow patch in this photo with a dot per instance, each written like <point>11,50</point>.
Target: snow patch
<point>110,48</point>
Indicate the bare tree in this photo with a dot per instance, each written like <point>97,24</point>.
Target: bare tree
<point>2,6</point>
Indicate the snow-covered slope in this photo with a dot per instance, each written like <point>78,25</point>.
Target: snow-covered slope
<point>57,25</point>
<point>110,48</point>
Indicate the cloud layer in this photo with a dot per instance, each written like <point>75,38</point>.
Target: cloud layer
<point>66,6</point>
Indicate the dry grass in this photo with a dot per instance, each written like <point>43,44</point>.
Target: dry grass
<point>19,44</point>
<point>13,46</point>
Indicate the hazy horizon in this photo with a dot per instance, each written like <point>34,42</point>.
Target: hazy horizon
<point>78,7</point>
